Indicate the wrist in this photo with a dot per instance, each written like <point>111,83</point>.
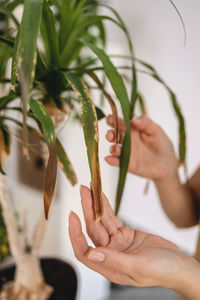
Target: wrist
<point>168,179</point>
<point>187,281</point>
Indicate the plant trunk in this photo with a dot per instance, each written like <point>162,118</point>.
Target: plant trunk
<point>28,283</point>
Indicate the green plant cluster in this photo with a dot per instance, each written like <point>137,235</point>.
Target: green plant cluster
<point>57,48</point>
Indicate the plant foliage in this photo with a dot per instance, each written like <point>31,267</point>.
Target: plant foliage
<point>55,48</point>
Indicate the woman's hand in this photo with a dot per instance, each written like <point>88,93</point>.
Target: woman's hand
<point>152,154</point>
<point>127,256</point>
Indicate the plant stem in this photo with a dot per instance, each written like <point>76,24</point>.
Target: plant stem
<point>10,221</point>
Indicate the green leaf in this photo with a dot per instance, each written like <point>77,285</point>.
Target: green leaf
<point>121,93</point>
<point>134,75</point>
<point>7,12</point>
<point>14,3</point>
<point>6,41</point>
<point>50,35</point>
<point>6,99</point>
<point>24,56</point>
<point>182,132</point>
<point>77,32</point>
<point>5,54</point>
<point>66,22</point>
<point>90,129</point>
<point>65,163</point>
<point>50,179</point>
<point>109,99</point>
<point>181,19</point>
<point>177,110</point>
<point>43,117</point>
<point>141,104</point>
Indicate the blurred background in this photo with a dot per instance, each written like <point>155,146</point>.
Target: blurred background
<point>158,39</point>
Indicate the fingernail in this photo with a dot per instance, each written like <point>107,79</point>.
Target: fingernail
<point>96,256</point>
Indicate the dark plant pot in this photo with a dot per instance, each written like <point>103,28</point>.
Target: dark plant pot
<point>57,273</point>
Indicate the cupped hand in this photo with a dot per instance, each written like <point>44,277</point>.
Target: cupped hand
<point>152,153</point>
<point>122,254</point>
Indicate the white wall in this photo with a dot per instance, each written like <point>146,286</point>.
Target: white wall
<point>158,39</point>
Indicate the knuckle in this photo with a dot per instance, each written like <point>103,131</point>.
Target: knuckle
<point>104,241</point>
<point>116,266</point>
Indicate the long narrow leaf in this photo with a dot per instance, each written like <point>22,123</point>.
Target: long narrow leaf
<point>177,109</point>
<point>7,12</point>
<point>81,26</point>
<point>50,179</point>
<point>5,100</point>
<point>41,114</point>
<point>90,128</point>
<point>6,41</point>
<point>65,164</point>
<point>141,104</point>
<point>50,35</point>
<point>134,75</point>
<point>121,93</point>
<point>110,101</point>
<point>24,56</point>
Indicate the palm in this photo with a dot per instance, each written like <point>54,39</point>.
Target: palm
<point>149,253</point>
<point>148,155</point>
<point>151,250</point>
<point>152,154</point>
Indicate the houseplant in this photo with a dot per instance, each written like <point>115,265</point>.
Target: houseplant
<point>48,64</point>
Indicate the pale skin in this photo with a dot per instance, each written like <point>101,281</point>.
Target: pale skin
<point>152,156</point>
<point>127,256</point>
<point>131,257</point>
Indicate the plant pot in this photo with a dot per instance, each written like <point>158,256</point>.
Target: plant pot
<point>57,273</point>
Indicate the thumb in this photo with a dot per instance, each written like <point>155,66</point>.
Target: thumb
<point>111,259</point>
<point>145,124</point>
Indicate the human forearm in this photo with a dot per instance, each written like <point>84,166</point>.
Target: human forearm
<point>187,282</point>
<point>177,201</point>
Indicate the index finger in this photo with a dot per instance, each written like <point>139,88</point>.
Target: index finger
<point>95,229</point>
<point>146,125</point>
<point>121,124</point>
